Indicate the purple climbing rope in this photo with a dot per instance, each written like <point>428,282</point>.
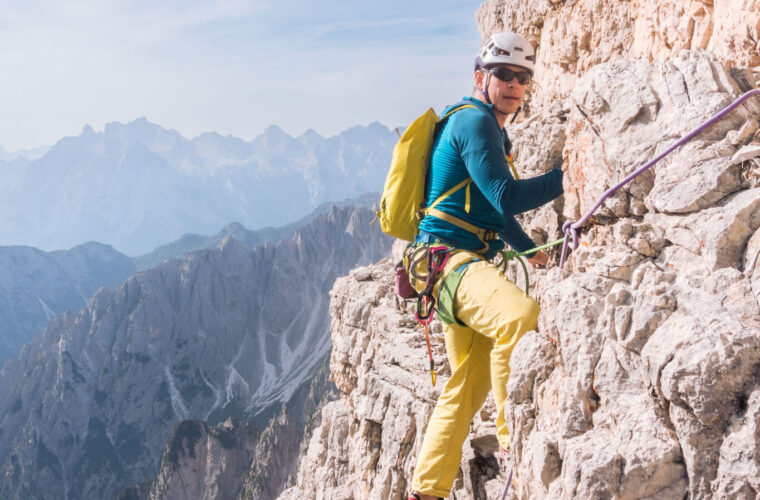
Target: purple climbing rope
<point>506,487</point>
<point>571,228</point>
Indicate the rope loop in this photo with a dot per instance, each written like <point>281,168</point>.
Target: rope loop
<point>571,233</point>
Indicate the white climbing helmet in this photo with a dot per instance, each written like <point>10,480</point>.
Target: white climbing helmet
<point>506,48</point>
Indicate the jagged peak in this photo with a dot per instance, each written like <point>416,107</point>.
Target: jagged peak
<point>310,135</point>
<point>87,131</point>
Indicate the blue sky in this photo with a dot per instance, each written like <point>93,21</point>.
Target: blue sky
<point>229,66</point>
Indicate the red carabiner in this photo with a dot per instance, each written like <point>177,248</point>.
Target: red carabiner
<point>438,257</point>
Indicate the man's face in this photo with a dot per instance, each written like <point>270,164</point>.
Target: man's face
<point>507,96</point>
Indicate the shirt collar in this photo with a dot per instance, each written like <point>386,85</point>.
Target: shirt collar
<point>489,108</point>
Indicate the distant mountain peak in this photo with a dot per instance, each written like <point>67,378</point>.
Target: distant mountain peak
<point>275,132</point>
<point>140,129</point>
<point>274,128</point>
<point>233,227</point>
<point>310,134</point>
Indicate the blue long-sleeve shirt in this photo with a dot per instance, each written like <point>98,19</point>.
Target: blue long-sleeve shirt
<point>472,144</point>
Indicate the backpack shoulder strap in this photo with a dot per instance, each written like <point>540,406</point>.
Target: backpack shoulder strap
<point>457,107</point>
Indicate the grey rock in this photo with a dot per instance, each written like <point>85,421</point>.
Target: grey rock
<point>367,441</point>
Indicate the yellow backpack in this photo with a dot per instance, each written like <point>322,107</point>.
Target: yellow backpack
<point>402,203</point>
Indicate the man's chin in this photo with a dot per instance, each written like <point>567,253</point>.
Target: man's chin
<point>508,110</point>
<point>509,106</point>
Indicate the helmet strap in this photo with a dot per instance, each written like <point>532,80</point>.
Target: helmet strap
<point>484,92</point>
<point>514,117</point>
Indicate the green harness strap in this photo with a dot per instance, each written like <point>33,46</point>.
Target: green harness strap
<point>445,304</point>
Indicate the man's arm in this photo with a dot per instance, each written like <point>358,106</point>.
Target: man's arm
<point>480,146</point>
<point>515,237</point>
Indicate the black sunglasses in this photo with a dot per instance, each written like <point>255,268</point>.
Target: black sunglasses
<point>506,75</point>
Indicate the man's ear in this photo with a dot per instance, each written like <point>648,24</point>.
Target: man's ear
<point>479,77</point>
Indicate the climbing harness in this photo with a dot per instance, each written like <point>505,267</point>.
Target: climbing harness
<point>571,228</point>
<point>437,257</point>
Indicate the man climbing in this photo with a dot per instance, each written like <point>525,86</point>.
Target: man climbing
<point>490,313</point>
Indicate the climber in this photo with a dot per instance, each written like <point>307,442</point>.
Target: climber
<point>491,313</point>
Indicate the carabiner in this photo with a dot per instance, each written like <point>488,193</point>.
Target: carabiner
<point>424,312</point>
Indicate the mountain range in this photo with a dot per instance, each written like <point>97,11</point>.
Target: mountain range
<point>137,185</point>
<point>36,286</point>
<point>87,407</point>
<point>190,242</point>
<point>23,154</point>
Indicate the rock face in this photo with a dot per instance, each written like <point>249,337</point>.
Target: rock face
<point>573,37</point>
<point>235,459</point>
<point>87,407</point>
<point>191,465</point>
<point>642,379</point>
<point>649,340</point>
<point>36,286</point>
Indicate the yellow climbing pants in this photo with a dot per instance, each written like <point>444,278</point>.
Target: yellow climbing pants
<point>497,313</point>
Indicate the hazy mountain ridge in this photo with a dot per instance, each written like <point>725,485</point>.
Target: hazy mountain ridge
<point>36,286</point>
<point>191,242</point>
<point>24,154</point>
<point>87,407</point>
<point>137,185</point>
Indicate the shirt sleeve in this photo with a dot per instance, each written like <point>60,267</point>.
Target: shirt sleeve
<point>479,140</point>
<point>515,237</point>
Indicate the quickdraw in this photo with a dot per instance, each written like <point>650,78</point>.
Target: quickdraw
<point>437,258</point>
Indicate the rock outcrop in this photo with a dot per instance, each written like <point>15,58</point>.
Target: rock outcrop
<point>573,37</point>
<point>236,460</point>
<point>642,379</point>
<point>641,375</point>
<point>87,407</point>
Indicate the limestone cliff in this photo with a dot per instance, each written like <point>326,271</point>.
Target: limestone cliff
<point>573,37</point>
<point>642,379</point>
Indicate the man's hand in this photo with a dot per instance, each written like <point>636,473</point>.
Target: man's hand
<point>539,260</point>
